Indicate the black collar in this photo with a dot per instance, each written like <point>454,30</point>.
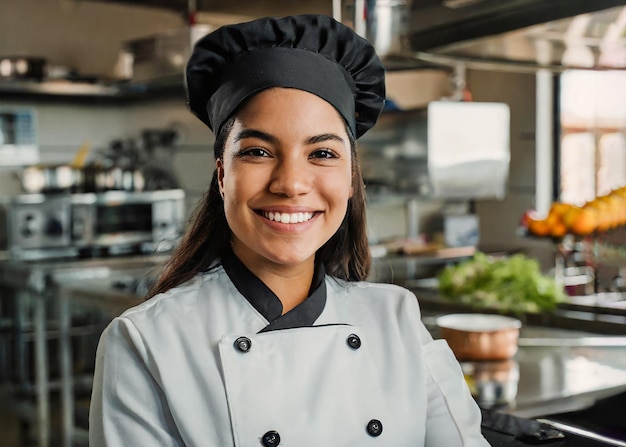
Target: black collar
<point>268,304</point>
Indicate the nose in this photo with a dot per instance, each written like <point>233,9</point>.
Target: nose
<point>291,178</point>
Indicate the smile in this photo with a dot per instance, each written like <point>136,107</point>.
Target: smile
<point>287,218</point>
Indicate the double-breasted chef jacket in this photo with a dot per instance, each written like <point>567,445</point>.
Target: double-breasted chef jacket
<point>214,363</point>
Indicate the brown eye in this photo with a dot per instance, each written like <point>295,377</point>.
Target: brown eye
<point>323,153</point>
<point>253,152</point>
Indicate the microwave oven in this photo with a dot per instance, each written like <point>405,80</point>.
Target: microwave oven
<point>40,226</point>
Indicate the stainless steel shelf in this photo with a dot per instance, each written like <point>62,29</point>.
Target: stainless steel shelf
<point>58,88</point>
<point>86,90</point>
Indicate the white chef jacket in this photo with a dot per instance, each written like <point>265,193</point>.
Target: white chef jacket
<point>194,367</point>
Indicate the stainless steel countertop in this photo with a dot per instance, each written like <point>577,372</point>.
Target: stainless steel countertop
<point>99,293</point>
<point>38,275</point>
<point>554,371</point>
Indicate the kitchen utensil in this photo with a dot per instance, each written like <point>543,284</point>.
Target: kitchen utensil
<point>23,68</point>
<point>81,155</point>
<point>474,336</point>
<point>50,178</point>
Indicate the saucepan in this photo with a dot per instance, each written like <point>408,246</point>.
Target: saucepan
<point>479,336</point>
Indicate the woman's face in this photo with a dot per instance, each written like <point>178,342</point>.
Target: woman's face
<point>285,177</point>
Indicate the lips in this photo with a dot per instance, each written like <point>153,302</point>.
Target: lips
<point>287,218</point>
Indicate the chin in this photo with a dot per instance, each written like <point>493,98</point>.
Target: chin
<point>293,256</point>
<point>289,260</point>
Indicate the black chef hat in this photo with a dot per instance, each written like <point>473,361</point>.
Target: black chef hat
<point>314,53</point>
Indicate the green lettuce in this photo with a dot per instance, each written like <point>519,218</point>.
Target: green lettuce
<point>514,284</point>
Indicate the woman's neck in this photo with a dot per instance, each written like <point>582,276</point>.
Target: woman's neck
<point>290,283</point>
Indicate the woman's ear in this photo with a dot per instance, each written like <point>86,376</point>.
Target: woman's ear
<point>219,166</point>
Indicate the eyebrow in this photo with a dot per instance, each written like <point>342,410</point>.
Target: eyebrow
<point>324,137</point>
<point>255,133</point>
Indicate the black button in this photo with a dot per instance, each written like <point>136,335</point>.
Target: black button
<point>271,438</point>
<point>374,427</point>
<point>243,344</point>
<point>354,341</point>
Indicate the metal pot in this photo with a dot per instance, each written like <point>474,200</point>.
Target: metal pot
<point>382,22</point>
<point>23,68</point>
<point>480,336</point>
<point>50,179</point>
<point>98,178</point>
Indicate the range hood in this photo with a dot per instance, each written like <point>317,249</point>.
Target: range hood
<point>520,35</point>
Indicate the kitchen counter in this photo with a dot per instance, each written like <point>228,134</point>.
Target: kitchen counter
<point>22,273</point>
<point>573,380</point>
<point>574,315</point>
<point>554,371</point>
<point>568,361</point>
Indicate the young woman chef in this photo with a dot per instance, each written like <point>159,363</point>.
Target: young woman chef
<point>261,330</point>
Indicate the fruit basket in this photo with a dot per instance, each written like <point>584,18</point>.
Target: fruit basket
<point>597,216</point>
<point>590,237</point>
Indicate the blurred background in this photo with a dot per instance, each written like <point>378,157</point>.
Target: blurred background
<point>495,182</point>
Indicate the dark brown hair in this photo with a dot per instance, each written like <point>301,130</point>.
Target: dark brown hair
<point>345,255</point>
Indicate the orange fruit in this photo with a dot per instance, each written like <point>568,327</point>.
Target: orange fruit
<point>586,222</point>
<point>560,208</point>
<point>570,216</point>
<point>558,230</point>
<point>538,227</point>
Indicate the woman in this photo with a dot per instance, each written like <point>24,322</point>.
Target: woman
<point>261,329</point>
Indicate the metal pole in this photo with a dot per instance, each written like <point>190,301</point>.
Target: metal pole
<point>67,380</point>
<point>360,25</point>
<point>544,110</point>
<point>41,369</point>
<point>337,10</point>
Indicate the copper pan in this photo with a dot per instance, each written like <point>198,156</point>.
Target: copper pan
<point>476,337</point>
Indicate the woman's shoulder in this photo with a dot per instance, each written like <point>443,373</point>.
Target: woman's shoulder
<point>377,306</point>
<point>368,287</point>
<point>377,294</point>
<point>193,292</point>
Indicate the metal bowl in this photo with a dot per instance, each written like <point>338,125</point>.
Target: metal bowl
<point>476,337</point>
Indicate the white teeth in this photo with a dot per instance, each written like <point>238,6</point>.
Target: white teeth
<point>287,217</point>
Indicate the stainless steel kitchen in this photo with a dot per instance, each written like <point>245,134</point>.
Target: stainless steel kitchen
<point>495,183</point>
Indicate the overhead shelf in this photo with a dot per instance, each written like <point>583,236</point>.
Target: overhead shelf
<point>88,90</point>
<point>58,88</point>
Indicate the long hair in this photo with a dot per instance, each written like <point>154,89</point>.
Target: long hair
<point>345,255</point>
